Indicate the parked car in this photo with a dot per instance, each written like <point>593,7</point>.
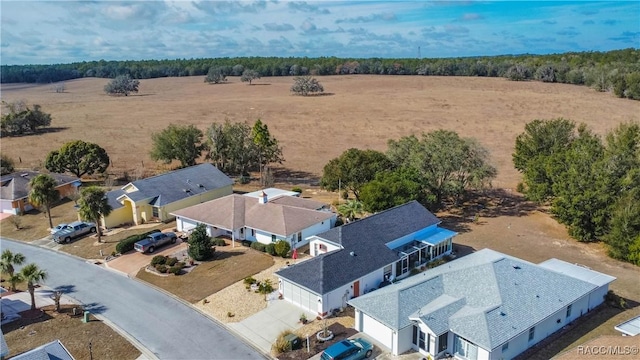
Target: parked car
<point>58,228</point>
<point>350,349</point>
<point>154,241</point>
<point>74,230</point>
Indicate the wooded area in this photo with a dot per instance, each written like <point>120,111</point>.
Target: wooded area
<point>617,70</point>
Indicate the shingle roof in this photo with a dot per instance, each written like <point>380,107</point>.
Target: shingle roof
<point>367,239</point>
<point>235,211</point>
<point>176,185</point>
<point>492,297</point>
<point>50,351</point>
<point>16,185</point>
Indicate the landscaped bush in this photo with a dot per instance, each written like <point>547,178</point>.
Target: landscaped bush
<point>265,287</point>
<point>297,189</point>
<point>171,261</point>
<point>246,243</point>
<point>282,248</point>
<point>258,246</point>
<point>281,345</point>
<point>162,268</point>
<point>126,244</point>
<point>249,280</point>
<point>218,242</point>
<point>158,260</point>
<point>176,269</point>
<point>270,249</point>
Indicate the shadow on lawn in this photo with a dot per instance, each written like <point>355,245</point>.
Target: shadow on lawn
<point>221,255</point>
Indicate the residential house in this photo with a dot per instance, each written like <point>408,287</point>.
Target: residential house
<point>54,350</point>
<point>14,192</point>
<point>265,220</point>
<point>353,259</point>
<point>155,198</point>
<point>486,305</point>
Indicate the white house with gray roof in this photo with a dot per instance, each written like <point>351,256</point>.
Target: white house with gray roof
<point>356,258</point>
<point>154,198</point>
<point>486,305</point>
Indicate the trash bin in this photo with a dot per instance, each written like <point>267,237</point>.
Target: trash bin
<point>294,341</point>
<point>85,319</point>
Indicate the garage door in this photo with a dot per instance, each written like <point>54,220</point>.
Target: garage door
<point>376,330</point>
<point>299,297</point>
<point>5,206</point>
<point>185,225</point>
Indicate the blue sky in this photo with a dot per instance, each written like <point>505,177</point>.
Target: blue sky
<point>34,32</point>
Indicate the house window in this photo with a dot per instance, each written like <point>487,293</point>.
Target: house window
<point>300,236</point>
<point>273,238</point>
<point>532,333</point>
<point>154,212</point>
<point>465,349</point>
<point>253,232</point>
<point>505,347</point>
<point>568,310</point>
<point>442,342</point>
<point>420,339</point>
<point>387,272</point>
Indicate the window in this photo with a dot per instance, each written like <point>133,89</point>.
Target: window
<point>465,349</point>
<point>154,212</point>
<point>505,347</point>
<point>387,272</point>
<point>253,232</point>
<point>532,333</point>
<point>300,236</point>
<point>420,339</point>
<point>273,238</point>
<point>442,342</point>
<point>568,310</point>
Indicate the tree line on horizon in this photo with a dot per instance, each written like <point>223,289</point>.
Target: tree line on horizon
<point>616,70</point>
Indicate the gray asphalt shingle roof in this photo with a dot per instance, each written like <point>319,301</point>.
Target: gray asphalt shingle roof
<point>15,186</point>
<point>366,238</point>
<point>176,185</point>
<point>50,351</point>
<point>489,297</point>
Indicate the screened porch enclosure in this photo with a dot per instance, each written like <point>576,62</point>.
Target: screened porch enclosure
<point>423,249</point>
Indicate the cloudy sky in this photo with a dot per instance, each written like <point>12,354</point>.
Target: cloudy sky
<point>49,32</point>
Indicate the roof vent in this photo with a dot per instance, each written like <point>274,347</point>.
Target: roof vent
<point>186,190</point>
<point>352,253</point>
<point>502,313</point>
<point>201,186</point>
<point>517,267</point>
<point>537,296</point>
<point>24,175</point>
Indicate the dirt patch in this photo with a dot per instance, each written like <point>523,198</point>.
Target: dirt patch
<point>27,333</point>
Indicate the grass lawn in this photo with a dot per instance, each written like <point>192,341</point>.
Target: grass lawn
<point>88,247</point>
<point>35,224</point>
<point>25,334</point>
<point>229,266</point>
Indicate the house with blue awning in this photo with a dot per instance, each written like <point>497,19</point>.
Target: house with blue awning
<point>364,255</point>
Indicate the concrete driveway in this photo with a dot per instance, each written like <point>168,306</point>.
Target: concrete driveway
<point>262,329</point>
<point>15,303</point>
<point>131,262</point>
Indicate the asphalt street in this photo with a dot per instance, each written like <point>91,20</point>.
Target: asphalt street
<point>165,326</point>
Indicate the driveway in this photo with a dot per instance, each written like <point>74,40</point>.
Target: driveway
<point>15,303</point>
<point>167,327</point>
<point>131,262</point>
<point>262,329</point>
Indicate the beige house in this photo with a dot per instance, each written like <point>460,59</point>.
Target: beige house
<point>155,198</point>
<point>14,190</point>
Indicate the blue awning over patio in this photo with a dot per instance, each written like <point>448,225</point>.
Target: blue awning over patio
<point>434,238</point>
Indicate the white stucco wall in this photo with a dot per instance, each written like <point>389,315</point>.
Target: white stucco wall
<point>312,230</point>
<point>315,243</point>
<point>405,340</point>
<point>336,298</point>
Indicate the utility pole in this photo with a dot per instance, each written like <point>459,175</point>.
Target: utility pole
<point>419,55</point>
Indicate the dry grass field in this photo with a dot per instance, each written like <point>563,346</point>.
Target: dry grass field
<point>359,111</point>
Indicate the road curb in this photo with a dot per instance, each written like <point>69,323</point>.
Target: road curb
<point>137,344</point>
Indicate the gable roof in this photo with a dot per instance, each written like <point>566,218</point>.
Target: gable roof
<point>16,185</point>
<point>172,186</point>
<point>235,211</point>
<point>366,239</point>
<point>486,297</point>
<point>50,351</point>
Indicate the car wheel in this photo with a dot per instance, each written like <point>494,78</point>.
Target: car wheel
<point>368,354</point>
<point>173,241</point>
<point>152,249</point>
<point>67,240</point>
<point>93,230</point>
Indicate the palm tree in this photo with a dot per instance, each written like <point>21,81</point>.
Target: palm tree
<point>7,260</point>
<point>32,274</point>
<point>350,210</point>
<point>43,193</point>
<point>94,205</point>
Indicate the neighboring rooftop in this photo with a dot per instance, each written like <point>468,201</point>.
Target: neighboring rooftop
<point>50,351</point>
<point>630,327</point>
<point>364,248</point>
<point>16,185</point>
<point>271,193</point>
<point>235,211</point>
<point>172,186</point>
<point>486,297</point>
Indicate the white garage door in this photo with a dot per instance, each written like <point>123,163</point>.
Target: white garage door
<point>377,330</point>
<point>5,206</point>
<point>185,224</point>
<point>299,296</point>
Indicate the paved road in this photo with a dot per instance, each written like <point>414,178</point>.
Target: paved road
<point>164,325</point>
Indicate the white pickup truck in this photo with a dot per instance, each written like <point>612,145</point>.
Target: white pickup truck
<point>154,241</point>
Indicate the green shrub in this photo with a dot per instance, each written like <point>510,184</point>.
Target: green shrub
<point>162,268</point>
<point>281,345</point>
<point>270,249</point>
<point>219,242</point>
<point>297,189</point>
<point>258,246</point>
<point>175,270</point>
<point>249,280</point>
<point>171,261</point>
<point>265,287</point>
<point>181,264</point>
<point>282,248</point>
<point>158,260</point>
<point>200,244</point>
<point>246,243</point>
<point>126,244</point>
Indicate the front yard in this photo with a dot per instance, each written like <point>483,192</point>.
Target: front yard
<point>35,224</point>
